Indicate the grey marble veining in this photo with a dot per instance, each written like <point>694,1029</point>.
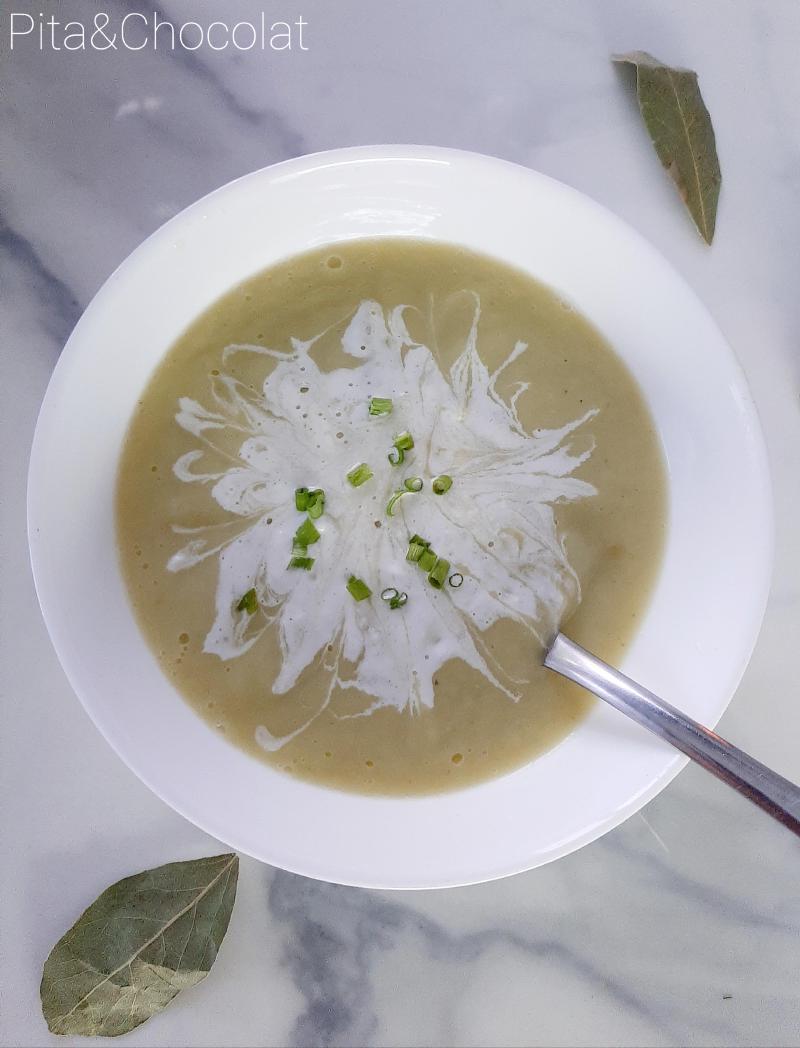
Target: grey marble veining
<point>563,935</point>
<point>682,927</point>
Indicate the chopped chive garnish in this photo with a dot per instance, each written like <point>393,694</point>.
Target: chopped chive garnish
<point>420,541</point>
<point>299,549</point>
<point>411,485</point>
<point>301,499</point>
<point>380,406</point>
<point>393,501</point>
<point>416,547</point>
<point>394,598</point>
<point>359,474</point>
<point>316,503</point>
<point>358,589</point>
<point>442,484</point>
<point>456,579</point>
<point>402,443</point>
<point>427,559</point>
<point>438,573</point>
<point>307,533</point>
<point>301,562</point>
<point>248,603</point>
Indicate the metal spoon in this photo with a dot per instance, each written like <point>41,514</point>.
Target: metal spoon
<point>770,791</point>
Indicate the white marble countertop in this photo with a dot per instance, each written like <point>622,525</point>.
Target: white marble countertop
<point>682,926</point>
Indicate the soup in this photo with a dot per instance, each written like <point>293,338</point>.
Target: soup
<point>361,493</point>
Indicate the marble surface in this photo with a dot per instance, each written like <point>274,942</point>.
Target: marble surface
<point>680,927</point>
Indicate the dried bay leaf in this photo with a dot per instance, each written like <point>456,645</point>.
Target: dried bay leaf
<point>142,941</point>
<point>681,131</point>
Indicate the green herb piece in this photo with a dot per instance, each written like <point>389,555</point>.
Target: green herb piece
<point>416,547</point>
<point>393,502</point>
<point>249,602</point>
<point>441,484</point>
<point>411,485</point>
<point>301,499</point>
<point>394,598</point>
<point>427,559</point>
<point>358,589</point>
<point>438,573</point>
<point>316,503</point>
<point>456,579</point>
<point>307,533</point>
<point>680,128</point>
<point>380,406</point>
<point>403,441</point>
<point>359,474</point>
<point>139,944</point>
<point>304,563</point>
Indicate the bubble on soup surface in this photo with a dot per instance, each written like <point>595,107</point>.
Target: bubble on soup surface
<point>333,262</point>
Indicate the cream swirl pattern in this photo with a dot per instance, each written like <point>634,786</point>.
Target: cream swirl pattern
<point>306,426</point>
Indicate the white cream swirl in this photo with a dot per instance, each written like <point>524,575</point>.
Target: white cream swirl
<point>496,524</point>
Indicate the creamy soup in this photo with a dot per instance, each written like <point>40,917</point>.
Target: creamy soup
<point>360,494</point>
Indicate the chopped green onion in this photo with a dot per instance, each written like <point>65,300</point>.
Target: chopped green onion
<point>456,579</point>
<point>316,503</point>
<point>248,603</point>
<point>307,533</point>
<point>394,598</point>
<point>411,485</point>
<point>359,474</point>
<point>442,484</point>
<point>416,547</point>
<point>358,589</point>
<point>403,442</point>
<point>392,502</point>
<point>301,499</point>
<point>299,549</point>
<point>380,406</point>
<point>427,559</point>
<point>438,573</point>
<point>301,562</point>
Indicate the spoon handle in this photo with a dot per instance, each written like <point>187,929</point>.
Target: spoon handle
<point>770,791</point>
